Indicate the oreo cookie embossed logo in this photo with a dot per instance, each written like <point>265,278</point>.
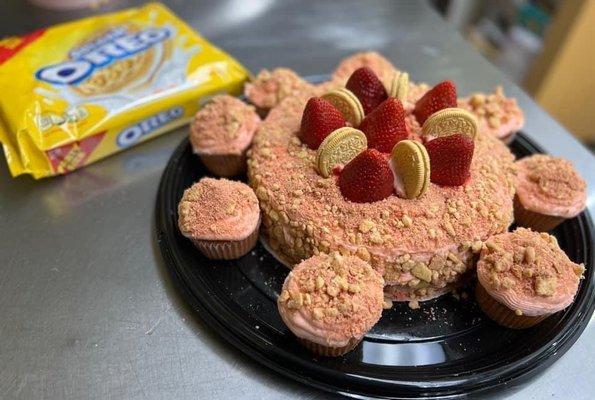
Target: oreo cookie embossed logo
<point>116,44</point>
<point>134,133</point>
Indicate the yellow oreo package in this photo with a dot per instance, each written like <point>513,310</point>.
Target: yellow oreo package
<point>77,92</point>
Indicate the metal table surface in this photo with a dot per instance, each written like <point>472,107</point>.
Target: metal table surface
<point>87,310</point>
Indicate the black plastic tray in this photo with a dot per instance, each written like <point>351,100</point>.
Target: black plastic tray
<point>446,349</point>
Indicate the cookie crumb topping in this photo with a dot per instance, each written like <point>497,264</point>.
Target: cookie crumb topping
<point>490,106</point>
<point>330,288</point>
<point>529,262</point>
<point>414,305</point>
<point>218,209</point>
<point>553,177</point>
<point>545,285</point>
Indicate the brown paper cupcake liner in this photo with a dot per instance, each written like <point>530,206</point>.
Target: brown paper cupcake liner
<point>536,221</point>
<point>262,112</point>
<point>227,249</point>
<point>226,165</point>
<point>503,315</point>
<point>327,351</point>
<point>508,138</point>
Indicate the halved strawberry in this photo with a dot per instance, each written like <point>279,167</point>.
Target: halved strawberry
<point>370,91</point>
<point>385,126</point>
<point>366,178</point>
<point>443,95</point>
<point>450,159</point>
<point>319,119</point>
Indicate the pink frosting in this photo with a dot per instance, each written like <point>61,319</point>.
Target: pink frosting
<point>550,185</point>
<point>357,311</point>
<point>397,181</point>
<point>512,278</point>
<point>218,209</point>
<point>226,125</point>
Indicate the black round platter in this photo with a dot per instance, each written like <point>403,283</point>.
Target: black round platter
<point>445,349</point>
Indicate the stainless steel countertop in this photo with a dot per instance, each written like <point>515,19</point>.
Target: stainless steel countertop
<point>87,310</point>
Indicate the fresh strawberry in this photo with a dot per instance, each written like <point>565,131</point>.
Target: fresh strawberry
<point>450,159</point>
<point>385,126</point>
<point>367,178</point>
<point>319,119</point>
<point>367,87</point>
<point>443,95</point>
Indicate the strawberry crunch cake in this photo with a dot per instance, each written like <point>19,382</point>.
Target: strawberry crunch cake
<point>422,246</point>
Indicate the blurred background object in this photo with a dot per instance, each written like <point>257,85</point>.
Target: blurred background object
<point>544,45</point>
<point>68,4</point>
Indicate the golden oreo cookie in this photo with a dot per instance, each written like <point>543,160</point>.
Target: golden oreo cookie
<point>450,121</point>
<point>399,86</point>
<point>411,165</point>
<point>346,102</point>
<point>338,148</point>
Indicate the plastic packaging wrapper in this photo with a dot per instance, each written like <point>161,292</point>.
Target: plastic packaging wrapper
<point>77,92</point>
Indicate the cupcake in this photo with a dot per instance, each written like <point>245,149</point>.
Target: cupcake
<point>497,114</point>
<point>524,277</point>
<point>221,134</point>
<point>548,191</point>
<point>269,88</point>
<point>221,217</point>
<point>330,301</point>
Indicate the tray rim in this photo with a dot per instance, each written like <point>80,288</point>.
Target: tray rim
<point>531,365</point>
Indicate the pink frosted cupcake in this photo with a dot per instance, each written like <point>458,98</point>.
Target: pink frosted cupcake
<point>330,301</point>
<point>221,217</point>
<point>496,114</point>
<point>548,191</point>
<point>524,277</point>
<point>270,87</point>
<point>221,134</point>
